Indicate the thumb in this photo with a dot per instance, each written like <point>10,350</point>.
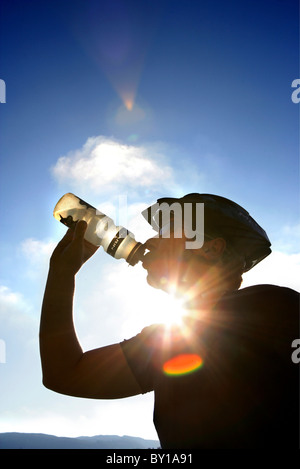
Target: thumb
<point>80,229</point>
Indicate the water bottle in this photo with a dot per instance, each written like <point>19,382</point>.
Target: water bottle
<point>101,230</point>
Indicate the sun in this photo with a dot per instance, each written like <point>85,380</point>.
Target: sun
<point>172,310</point>
<point>143,305</point>
<point>136,304</point>
<point>169,308</point>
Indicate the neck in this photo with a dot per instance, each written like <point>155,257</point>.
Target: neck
<point>204,291</point>
<point>205,300</point>
<point>199,306</point>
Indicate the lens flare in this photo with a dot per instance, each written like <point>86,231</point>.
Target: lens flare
<point>128,101</point>
<point>172,311</point>
<point>182,364</point>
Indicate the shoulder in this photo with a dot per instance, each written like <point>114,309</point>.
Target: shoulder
<point>269,301</point>
<point>264,289</point>
<point>263,310</point>
<point>156,338</point>
<point>264,295</point>
<point>148,337</point>
<point>268,288</point>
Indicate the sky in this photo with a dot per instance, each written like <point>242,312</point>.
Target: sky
<point>122,102</point>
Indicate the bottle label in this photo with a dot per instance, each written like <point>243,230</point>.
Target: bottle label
<point>82,202</point>
<point>116,241</point>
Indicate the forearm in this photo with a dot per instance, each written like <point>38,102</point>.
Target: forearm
<point>100,373</point>
<point>59,346</point>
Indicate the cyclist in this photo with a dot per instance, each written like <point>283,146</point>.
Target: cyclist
<point>224,378</point>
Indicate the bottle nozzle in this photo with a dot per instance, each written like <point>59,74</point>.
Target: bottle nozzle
<point>136,254</point>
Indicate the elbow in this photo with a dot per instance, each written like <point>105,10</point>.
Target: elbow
<point>55,384</point>
<point>50,379</point>
<point>51,384</point>
<point>61,384</point>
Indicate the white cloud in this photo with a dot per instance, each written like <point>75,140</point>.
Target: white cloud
<point>37,254</point>
<point>63,416</point>
<point>14,308</point>
<point>287,238</point>
<point>103,164</point>
<point>18,323</point>
<point>278,268</point>
<point>8,297</point>
<point>37,250</point>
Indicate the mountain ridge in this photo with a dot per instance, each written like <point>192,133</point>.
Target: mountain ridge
<point>16,440</point>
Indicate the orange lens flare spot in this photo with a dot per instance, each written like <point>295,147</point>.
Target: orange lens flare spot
<point>182,364</point>
<point>128,104</point>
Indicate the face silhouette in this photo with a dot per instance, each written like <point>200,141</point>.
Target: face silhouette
<point>172,267</point>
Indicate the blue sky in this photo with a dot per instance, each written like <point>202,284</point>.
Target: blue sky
<point>184,96</point>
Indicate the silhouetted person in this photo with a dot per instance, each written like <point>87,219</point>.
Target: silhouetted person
<point>223,379</point>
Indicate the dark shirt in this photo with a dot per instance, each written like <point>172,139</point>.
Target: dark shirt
<point>238,386</point>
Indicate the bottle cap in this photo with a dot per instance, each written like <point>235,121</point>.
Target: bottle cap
<point>136,254</point>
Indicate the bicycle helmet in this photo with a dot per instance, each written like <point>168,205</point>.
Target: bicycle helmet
<point>222,217</point>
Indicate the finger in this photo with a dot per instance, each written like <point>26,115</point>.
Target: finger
<point>80,230</point>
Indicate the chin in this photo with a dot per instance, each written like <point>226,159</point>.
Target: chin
<point>158,282</point>
<point>153,282</point>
